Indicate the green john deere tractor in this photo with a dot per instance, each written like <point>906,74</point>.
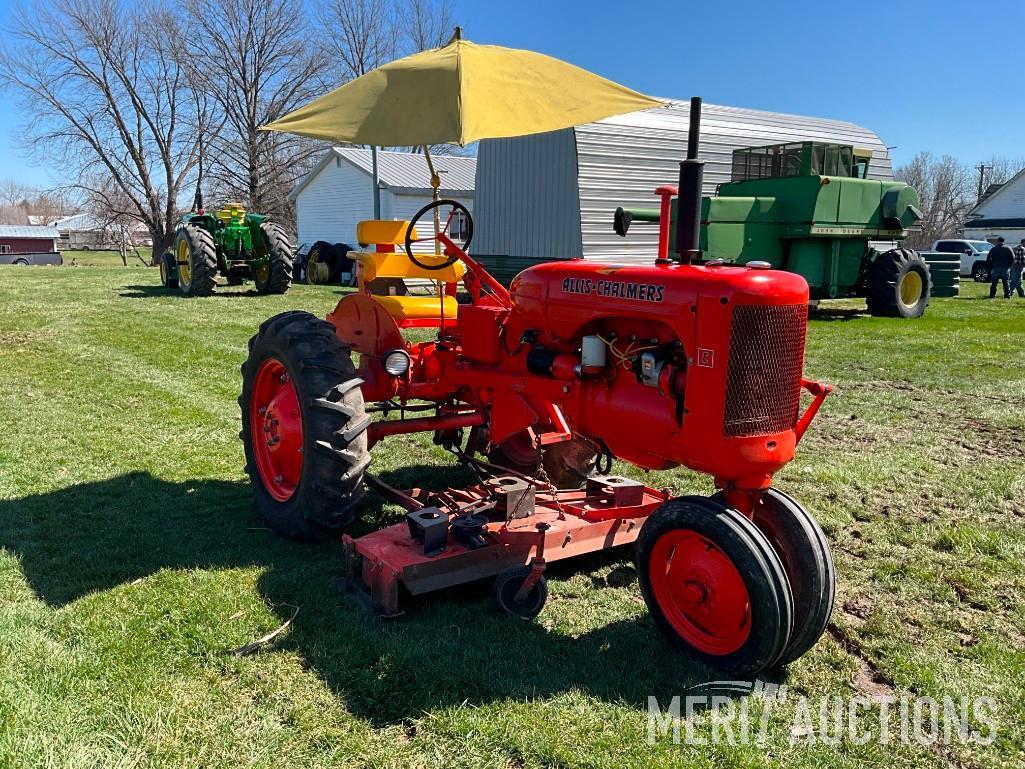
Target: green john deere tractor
<point>808,207</point>
<point>232,243</point>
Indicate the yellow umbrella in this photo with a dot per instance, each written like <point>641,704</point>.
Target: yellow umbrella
<point>458,94</point>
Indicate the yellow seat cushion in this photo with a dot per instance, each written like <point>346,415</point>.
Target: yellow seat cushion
<point>417,307</point>
<point>396,264</point>
<point>373,231</point>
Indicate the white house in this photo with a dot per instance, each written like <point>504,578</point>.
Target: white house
<point>1001,214</point>
<point>338,192</point>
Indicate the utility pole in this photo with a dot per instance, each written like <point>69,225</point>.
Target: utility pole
<point>982,180</point>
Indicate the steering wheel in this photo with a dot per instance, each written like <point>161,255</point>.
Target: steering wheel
<point>455,206</point>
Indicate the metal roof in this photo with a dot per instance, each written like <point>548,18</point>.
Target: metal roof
<point>85,222</point>
<point>28,231</point>
<point>403,172</point>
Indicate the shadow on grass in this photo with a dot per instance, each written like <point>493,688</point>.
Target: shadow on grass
<point>450,648</point>
<point>829,314</point>
<point>159,292</point>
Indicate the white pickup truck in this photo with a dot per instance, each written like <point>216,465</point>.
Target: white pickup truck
<point>973,256</point>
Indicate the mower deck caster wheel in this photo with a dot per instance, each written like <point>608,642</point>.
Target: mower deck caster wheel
<point>508,584</point>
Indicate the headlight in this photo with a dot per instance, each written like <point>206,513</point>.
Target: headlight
<point>396,362</point>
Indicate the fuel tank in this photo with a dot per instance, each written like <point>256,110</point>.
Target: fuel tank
<point>561,298</point>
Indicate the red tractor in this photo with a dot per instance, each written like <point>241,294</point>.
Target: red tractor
<point>536,389</point>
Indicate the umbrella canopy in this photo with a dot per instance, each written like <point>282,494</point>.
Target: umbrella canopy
<point>458,94</point>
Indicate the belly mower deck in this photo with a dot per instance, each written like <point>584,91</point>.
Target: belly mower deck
<point>455,537</point>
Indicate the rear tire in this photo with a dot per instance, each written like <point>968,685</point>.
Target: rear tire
<point>276,277</point>
<point>899,284</point>
<point>196,254</point>
<point>315,489</point>
<point>714,585</point>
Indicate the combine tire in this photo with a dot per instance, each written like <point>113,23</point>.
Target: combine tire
<point>275,277</point>
<point>715,586</point>
<point>899,284</point>
<point>196,254</point>
<point>303,426</point>
<point>808,562</point>
<point>167,279</point>
<point>567,464</point>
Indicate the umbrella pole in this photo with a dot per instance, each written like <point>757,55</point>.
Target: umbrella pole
<point>435,196</point>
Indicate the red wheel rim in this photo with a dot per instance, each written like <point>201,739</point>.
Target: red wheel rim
<point>700,592</point>
<point>277,429</point>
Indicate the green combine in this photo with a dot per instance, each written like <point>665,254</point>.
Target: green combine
<point>233,243</point>
<point>808,207</point>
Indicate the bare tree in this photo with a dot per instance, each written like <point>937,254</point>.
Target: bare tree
<point>363,32</point>
<point>109,99</point>
<point>428,24</point>
<point>256,60</point>
<point>947,194</point>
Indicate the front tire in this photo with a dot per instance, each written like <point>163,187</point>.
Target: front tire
<point>303,426</point>
<point>714,585</point>
<point>899,284</point>
<point>804,551</point>
<point>196,255</point>
<point>980,272</point>
<point>168,279</point>
<point>275,277</point>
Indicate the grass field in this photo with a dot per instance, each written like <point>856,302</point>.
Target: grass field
<point>132,562</point>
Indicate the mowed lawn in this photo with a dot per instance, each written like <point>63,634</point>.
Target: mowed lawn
<point>132,561</point>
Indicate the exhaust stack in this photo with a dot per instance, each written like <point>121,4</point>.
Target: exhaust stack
<point>688,200</point>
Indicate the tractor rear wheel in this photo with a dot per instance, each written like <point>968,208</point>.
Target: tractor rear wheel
<point>567,464</point>
<point>168,279</point>
<point>275,276</point>
<point>899,284</point>
<point>714,585</point>
<point>196,254</point>
<point>804,551</point>
<point>304,427</point>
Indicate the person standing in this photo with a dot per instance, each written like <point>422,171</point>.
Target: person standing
<point>999,261</point>
<point>1017,268</point>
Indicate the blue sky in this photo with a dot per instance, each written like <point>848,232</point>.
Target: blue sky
<point>942,75</point>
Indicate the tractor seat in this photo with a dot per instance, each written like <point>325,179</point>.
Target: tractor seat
<point>406,308</point>
<point>386,262</point>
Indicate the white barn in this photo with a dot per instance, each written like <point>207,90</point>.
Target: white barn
<point>553,196</point>
<point>1001,214</point>
<point>338,192</point>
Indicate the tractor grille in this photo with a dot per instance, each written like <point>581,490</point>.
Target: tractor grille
<point>763,381</point>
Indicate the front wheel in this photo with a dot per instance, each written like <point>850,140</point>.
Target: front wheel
<point>802,547</point>
<point>714,585</point>
<point>168,274</point>
<point>303,426</point>
<point>980,272</point>
<point>899,284</point>
<point>274,276</point>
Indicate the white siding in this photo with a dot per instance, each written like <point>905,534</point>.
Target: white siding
<point>521,182</point>
<point>333,201</point>
<point>1006,203</point>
